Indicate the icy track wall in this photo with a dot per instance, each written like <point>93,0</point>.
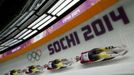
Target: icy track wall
<point>114,26</point>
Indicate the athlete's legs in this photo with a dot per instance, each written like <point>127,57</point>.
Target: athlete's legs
<point>103,55</point>
<point>96,50</point>
<point>59,65</point>
<point>94,57</point>
<point>99,57</point>
<point>15,73</point>
<point>94,54</point>
<point>55,62</point>
<point>35,70</point>
<point>98,54</point>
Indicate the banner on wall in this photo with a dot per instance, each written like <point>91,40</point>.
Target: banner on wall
<point>0,55</point>
<point>95,28</point>
<point>34,55</point>
<point>37,38</point>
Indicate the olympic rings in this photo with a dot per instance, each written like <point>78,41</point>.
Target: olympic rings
<point>34,56</point>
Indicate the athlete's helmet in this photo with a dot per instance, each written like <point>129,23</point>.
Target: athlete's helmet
<point>77,58</point>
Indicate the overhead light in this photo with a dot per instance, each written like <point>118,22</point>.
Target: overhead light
<point>67,7</point>
<point>3,48</point>
<point>33,32</point>
<point>11,42</point>
<point>61,7</point>
<point>26,17</point>
<point>41,22</point>
<point>56,6</point>
<point>17,36</point>
<point>16,43</point>
<point>10,31</point>
<point>33,4</point>
<point>7,42</point>
<point>7,30</point>
<point>20,18</point>
<point>37,21</point>
<point>46,23</point>
<point>27,32</point>
<point>39,4</point>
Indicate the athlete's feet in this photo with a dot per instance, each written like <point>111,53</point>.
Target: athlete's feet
<point>118,53</point>
<point>123,52</point>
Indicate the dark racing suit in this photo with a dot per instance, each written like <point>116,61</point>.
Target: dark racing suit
<point>93,55</point>
<point>55,64</point>
<point>13,72</point>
